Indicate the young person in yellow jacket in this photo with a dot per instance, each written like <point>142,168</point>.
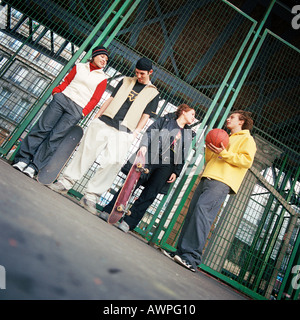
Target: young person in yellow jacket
<point>224,172</point>
<point>110,135</point>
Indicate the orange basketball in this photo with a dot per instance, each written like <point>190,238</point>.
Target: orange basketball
<point>216,136</point>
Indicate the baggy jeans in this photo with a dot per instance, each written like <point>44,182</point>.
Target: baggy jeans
<point>105,142</point>
<point>205,204</point>
<point>45,136</point>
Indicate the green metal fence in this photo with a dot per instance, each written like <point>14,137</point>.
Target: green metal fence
<point>208,54</point>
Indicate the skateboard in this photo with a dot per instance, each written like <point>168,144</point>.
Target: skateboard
<point>121,205</point>
<point>53,168</point>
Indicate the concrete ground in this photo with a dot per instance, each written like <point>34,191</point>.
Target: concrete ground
<point>51,248</point>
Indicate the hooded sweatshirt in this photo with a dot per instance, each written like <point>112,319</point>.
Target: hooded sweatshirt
<point>230,165</point>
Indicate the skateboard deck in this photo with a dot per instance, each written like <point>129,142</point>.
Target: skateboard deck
<point>121,205</point>
<point>53,168</point>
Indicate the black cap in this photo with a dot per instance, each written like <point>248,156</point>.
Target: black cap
<point>99,50</point>
<point>144,64</point>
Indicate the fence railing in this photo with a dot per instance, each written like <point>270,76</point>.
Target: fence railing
<point>212,56</point>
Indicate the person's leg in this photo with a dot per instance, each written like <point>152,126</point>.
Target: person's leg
<point>111,160</point>
<point>108,208</point>
<point>158,177</point>
<point>70,116</point>
<point>93,142</point>
<point>40,131</point>
<point>205,204</point>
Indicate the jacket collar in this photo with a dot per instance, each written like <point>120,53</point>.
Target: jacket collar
<point>149,84</point>
<point>242,132</point>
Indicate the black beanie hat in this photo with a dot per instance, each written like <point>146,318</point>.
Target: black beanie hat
<point>99,50</point>
<point>144,64</point>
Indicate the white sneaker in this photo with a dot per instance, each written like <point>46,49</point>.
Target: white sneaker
<point>168,254</point>
<point>104,215</point>
<point>30,172</point>
<point>58,187</point>
<point>184,263</point>
<point>123,226</point>
<point>20,165</point>
<point>89,205</point>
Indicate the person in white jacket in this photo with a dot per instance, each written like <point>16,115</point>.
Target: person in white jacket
<point>109,136</point>
<point>73,99</point>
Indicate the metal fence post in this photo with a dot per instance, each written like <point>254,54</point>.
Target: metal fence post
<point>38,105</point>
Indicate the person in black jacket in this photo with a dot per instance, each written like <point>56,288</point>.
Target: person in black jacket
<point>165,145</point>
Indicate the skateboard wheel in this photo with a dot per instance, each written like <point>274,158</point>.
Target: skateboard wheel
<point>120,208</point>
<point>146,170</point>
<point>128,213</point>
<point>139,165</point>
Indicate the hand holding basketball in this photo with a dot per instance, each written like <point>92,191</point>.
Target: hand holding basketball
<point>217,140</point>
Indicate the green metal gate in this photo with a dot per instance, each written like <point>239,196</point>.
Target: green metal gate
<point>212,56</point>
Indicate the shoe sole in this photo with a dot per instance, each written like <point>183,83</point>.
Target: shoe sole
<point>18,168</point>
<point>178,260</point>
<point>28,174</point>
<point>103,218</point>
<point>91,210</point>
<point>64,192</point>
<point>167,254</point>
<point>124,230</point>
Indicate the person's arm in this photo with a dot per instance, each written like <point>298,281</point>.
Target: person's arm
<point>243,158</point>
<point>187,138</point>
<point>143,150</point>
<point>144,118</point>
<point>95,98</point>
<point>67,80</point>
<point>152,132</point>
<point>208,153</point>
<point>103,107</point>
<point>150,109</point>
<point>172,178</point>
<point>108,101</point>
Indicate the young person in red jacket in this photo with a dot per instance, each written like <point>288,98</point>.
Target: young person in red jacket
<point>73,99</point>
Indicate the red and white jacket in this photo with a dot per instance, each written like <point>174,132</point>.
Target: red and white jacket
<point>85,85</point>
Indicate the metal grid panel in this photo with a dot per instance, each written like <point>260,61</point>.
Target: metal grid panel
<point>195,47</point>
<point>71,20</point>
<point>183,39</point>
<point>184,86</point>
<point>256,235</point>
<point>26,72</point>
<point>271,92</point>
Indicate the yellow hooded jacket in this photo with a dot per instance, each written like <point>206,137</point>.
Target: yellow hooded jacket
<point>231,165</point>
